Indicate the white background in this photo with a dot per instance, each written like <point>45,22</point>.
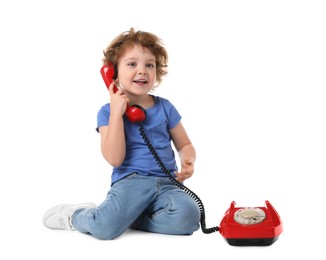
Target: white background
<point>248,78</point>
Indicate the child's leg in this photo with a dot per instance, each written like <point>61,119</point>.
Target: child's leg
<point>173,212</point>
<point>125,201</point>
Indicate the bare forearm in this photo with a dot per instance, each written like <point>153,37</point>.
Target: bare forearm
<point>187,156</point>
<point>113,144</point>
<point>188,153</point>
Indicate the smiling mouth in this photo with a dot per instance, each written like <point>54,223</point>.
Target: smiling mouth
<point>141,81</point>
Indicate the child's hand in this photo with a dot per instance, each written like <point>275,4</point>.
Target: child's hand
<point>118,100</point>
<point>187,170</point>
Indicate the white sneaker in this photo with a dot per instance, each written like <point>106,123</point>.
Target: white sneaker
<point>59,217</point>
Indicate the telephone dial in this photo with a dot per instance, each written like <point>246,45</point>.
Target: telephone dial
<point>240,226</point>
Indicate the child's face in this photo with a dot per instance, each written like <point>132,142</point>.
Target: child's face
<point>137,71</point>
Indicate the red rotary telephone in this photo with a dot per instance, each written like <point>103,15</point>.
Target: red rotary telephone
<point>251,226</point>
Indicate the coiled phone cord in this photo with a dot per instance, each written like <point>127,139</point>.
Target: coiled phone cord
<point>178,184</point>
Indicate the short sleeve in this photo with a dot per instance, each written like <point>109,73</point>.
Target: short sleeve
<point>103,116</point>
<point>172,113</point>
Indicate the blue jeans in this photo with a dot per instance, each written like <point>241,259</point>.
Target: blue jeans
<point>145,203</point>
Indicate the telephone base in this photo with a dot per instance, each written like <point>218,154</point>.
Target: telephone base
<point>251,241</point>
<point>251,226</point>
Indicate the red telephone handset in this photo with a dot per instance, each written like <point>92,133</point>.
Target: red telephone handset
<point>134,113</point>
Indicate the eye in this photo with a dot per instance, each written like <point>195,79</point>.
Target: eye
<point>132,64</point>
<point>150,65</point>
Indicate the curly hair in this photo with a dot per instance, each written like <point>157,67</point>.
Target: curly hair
<point>129,39</point>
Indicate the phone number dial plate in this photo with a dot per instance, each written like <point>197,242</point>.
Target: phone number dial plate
<point>249,216</point>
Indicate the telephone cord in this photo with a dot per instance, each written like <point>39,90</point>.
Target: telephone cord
<point>178,184</point>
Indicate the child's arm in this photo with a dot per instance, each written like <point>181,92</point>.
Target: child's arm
<point>113,143</point>
<point>186,151</point>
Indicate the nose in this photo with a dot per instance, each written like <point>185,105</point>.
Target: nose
<point>142,70</point>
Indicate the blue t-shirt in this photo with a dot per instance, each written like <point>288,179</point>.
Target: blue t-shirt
<point>159,119</point>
